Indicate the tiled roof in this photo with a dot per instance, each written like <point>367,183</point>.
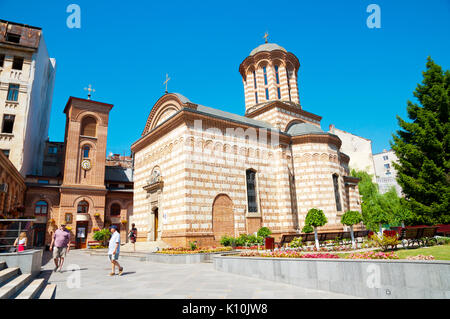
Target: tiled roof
<point>118,174</point>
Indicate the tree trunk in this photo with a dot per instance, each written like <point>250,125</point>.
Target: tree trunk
<point>316,238</point>
<point>353,237</point>
<point>403,224</point>
<point>381,230</point>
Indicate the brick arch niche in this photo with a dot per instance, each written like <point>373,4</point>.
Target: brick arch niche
<point>222,217</point>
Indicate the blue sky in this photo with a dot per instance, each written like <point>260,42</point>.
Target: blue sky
<point>356,78</point>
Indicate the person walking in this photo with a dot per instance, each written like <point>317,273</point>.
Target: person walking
<point>60,246</point>
<point>133,235</point>
<point>21,241</point>
<point>114,251</point>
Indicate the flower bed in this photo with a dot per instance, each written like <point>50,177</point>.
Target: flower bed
<point>183,250</point>
<point>372,255</point>
<point>286,254</point>
<point>420,257</point>
<point>249,247</point>
<point>301,254</point>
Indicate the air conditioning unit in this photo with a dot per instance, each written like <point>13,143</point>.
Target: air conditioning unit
<point>3,188</point>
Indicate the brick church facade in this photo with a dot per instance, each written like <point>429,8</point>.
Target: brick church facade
<point>79,187</point>
<point>201,173</point>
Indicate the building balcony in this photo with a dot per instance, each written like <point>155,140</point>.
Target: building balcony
<point>154,183</point>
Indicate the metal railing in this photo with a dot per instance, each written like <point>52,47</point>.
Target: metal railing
<point>16,226</point>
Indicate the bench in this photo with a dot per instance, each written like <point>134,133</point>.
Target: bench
<point>322,237</point>
<point>410,235</point>
<point>94,243</point>
<point>443,230</point>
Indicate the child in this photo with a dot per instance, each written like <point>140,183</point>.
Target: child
<point>21,241</point>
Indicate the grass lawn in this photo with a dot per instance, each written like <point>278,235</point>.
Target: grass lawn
<point>441,252</point>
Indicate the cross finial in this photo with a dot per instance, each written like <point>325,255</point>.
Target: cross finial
<point>266,35</point>
<point>89,89</point>
<point>167,81</point>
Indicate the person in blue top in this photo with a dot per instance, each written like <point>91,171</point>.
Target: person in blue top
<point>114,250</point>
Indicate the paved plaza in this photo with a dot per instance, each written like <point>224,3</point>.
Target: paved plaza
<point>142,279</point>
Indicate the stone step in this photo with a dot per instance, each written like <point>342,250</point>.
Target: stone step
<point>14,286</point>
<point>49,292</point>
<point>2,265</point>
<point>32,289</point>
<point>7,273</point>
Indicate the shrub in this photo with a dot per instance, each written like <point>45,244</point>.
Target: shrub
<point>372,255</point>
<point>226,241</point>
<point>193,245</point>
<point>351,218</point>
<point>102,235</point>
<point>315,218</point>
<point>264,232</point>
<point>307,229</point>
<point>296,242</point>
<point>385,241</point>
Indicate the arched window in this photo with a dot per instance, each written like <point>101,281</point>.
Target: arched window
<point>86,150</point>
<point>115,210</point>
<point>277,76</point>
<point>254,79</point>
<point>336,192</point>
<point>83,207</point>
<point>41,208</point>
<point>89,126</point>
<point>265,75</point>
<point>251,191</point>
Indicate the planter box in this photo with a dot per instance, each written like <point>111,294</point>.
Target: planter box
<point>359,278</point>
<point>29,261</point>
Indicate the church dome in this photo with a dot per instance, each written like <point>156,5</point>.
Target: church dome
<point>267,47</point>
<point>303,129</point>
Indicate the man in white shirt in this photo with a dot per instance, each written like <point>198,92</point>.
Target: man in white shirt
<point>114,250</point>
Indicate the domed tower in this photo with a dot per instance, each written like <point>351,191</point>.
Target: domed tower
<point>269,73</point>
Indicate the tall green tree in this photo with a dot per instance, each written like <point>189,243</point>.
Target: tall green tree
<point>422,147</point>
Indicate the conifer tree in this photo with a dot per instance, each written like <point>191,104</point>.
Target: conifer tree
<point>422,147</point>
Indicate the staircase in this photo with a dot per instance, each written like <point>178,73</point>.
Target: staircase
<point>15,285</point>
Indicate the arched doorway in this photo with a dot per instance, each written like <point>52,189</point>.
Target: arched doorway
<point>222,217</point>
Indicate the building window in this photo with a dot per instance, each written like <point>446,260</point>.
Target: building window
<point>279,92</point>
<point>265,75</point>
<point>2,60</point>
<point>86,151</point>
<point>52,149</point>
<point>8,123</point>
<point>115,210</point>
<point>385,157</point>
<point>251,191</point>
<point>6,153</point>
<point>89,126</point>
<point>277,75</point>
<point>267,93</point>
<point>83,207</point>
<point>336,192</point>
<point>388,173</point>
<point>13,92</point>
<point>12,37</point>
<point>254,79</point>
<point>17,63</point>
<point>43,181</point>
<point>387,165</point>
<point>41,208</point>
<point>256,97</point>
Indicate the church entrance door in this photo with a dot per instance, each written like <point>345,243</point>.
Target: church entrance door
<point>155,212</point>
<point>223,217</point>
<point>81,235</point>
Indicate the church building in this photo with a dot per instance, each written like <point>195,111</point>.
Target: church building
<point>201,173</point>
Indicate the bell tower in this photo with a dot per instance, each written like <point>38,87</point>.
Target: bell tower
<point>85,142</point>
<point>269,73</point>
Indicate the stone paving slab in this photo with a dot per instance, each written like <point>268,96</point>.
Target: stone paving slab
<point>146,280</point>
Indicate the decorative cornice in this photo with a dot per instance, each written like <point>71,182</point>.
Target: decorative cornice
<point>271,56</point>
<point>284,106</point>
